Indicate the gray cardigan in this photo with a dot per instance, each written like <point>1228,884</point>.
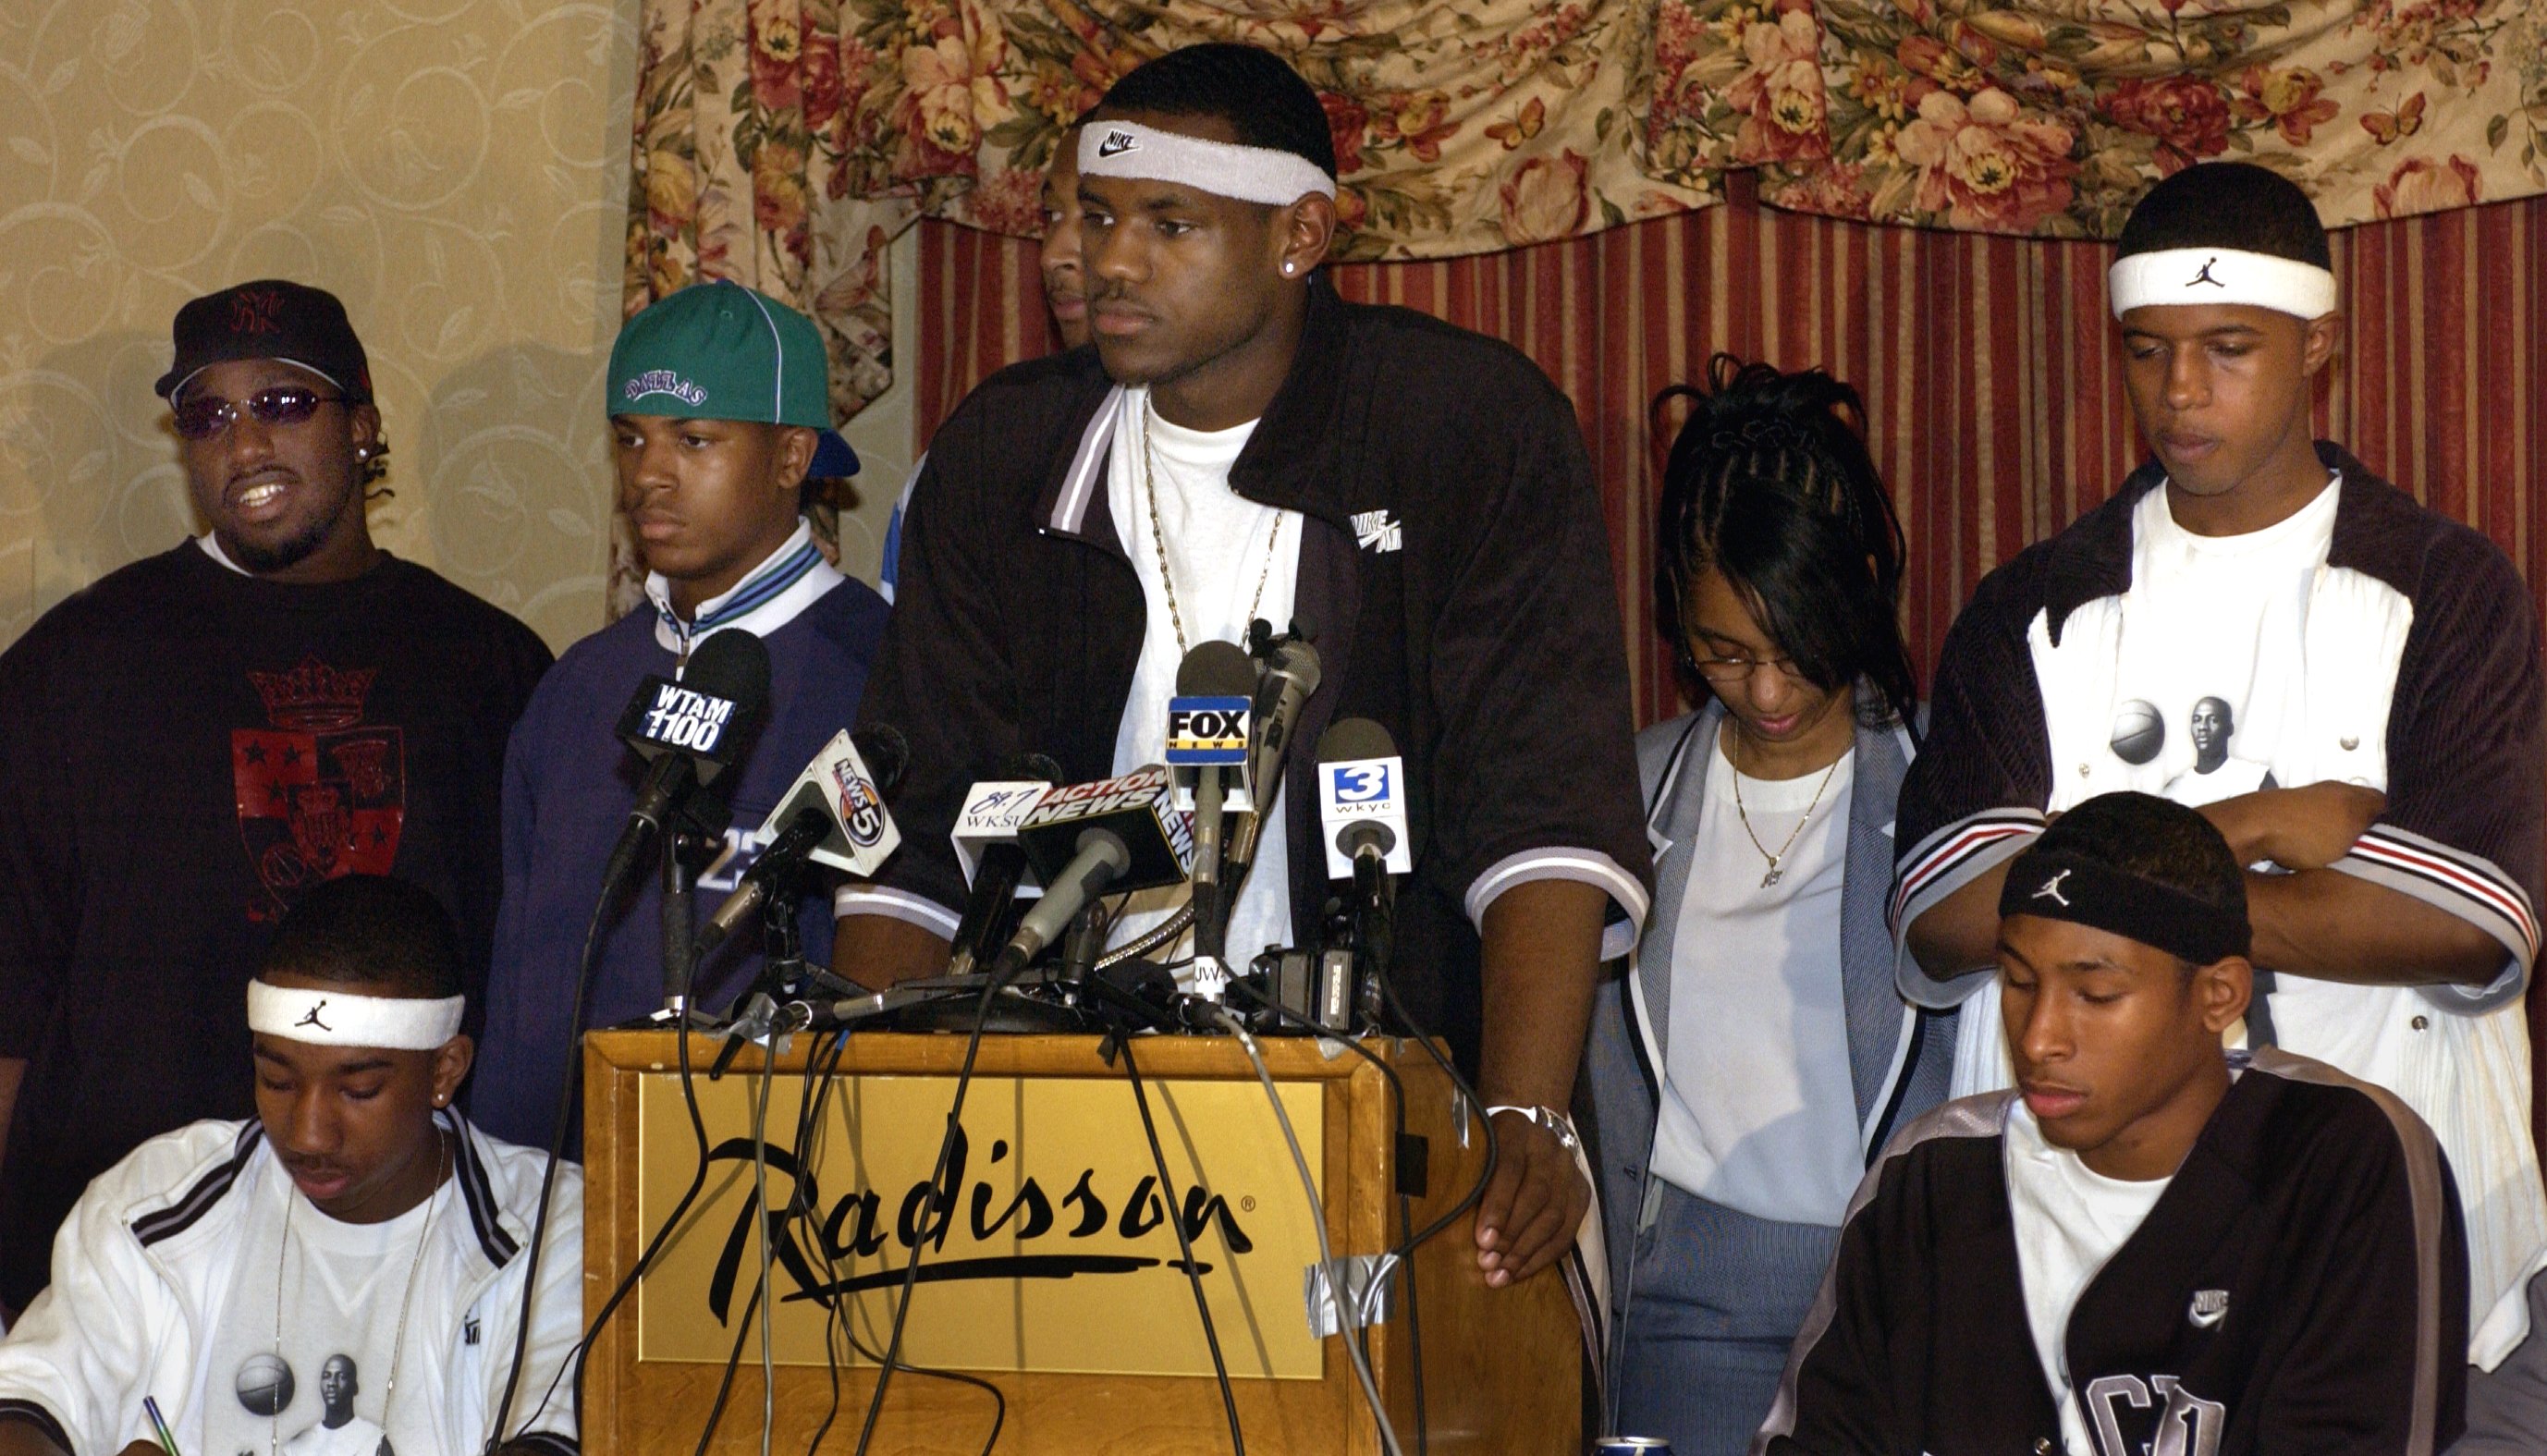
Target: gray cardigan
<point>1900,1058</point>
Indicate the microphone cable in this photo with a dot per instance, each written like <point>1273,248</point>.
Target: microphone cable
<point>990,989</point>
<point>1346,1320</point>
<point>587,962</point>
<point>1402,1257</point>
<point>1185,1243</point>
<point>835,1326</point>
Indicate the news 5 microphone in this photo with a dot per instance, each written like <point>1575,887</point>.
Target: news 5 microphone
<point>986,845</point>
<point>1116,834</point>
<point>832,815</point>
<point>690,731</point>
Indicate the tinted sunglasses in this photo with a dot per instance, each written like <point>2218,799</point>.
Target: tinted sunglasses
<point>201,416</point>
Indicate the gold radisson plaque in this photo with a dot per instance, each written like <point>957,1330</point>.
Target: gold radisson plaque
<point>1055,1256</point>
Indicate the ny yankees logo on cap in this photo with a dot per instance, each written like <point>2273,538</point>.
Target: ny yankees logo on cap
<point>1116,145</point>
<point>310,1018</point>
<point>2051,889</point>
<point>2209,1307</point>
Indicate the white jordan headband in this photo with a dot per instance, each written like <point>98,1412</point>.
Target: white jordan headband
<point>1251,174</point>
<point>334,1019</point>
<point>2220,275</point>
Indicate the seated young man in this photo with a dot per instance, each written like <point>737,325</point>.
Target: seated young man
<point>718,409</point>
<point>2149,1245</point>
<point>346,1272</point>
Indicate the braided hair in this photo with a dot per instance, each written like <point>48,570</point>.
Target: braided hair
<point>1770,484</point>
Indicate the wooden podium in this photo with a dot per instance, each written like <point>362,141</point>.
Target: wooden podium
<point>1057,1278</point>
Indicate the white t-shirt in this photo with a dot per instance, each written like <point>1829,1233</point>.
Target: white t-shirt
<point>1219,546</point>
<point>342,1286</point>
<point>2069,1219</point>
<point>1759,1111</point>
<point>2211,682</point>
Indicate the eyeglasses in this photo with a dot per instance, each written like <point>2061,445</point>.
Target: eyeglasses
<point>1730,670</point>
<point>203,416</point>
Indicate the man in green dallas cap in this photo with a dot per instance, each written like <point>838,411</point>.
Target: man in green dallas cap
<point>719,413</point>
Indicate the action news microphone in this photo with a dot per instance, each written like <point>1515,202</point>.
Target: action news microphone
<point>1087,839</point>
<point>986,845</point>
<point>691,731</point>
<point>833,815</point>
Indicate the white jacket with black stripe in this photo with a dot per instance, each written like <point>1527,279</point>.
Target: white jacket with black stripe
<point>147,1259</point>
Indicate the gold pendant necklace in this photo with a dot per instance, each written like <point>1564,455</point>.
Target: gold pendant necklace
<point>1777,867</point>
<point>1159,536</point>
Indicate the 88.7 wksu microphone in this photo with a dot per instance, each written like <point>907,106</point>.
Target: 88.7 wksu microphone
<point>1086,840</point>
<point>833,815</point>
<point>986,846</point>
<point>690,731</point>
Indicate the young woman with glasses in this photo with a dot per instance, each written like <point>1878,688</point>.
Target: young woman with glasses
<point>1755,1053</point>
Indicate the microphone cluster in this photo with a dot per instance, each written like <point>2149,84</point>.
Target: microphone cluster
<point>1036,852</point>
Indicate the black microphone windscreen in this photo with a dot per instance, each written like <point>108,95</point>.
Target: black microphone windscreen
<point>733,663</point>
<point>886,753</point>
<point>1351,739</point>
<point>1037,766</point>
<point>1217,669</point>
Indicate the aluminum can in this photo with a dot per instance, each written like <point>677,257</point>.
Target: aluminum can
<point>1630,1446</point>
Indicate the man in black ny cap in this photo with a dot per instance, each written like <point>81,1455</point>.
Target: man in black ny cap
<point>190,744</point>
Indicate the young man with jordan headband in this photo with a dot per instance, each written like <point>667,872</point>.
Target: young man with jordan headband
<point>719,401</point>
<point>2379,660</point>
<point>2152,1245</point>
<point>1242,445</point>
<point>346,1272</point>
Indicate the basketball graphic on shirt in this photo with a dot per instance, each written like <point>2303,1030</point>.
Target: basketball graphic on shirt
<point>265,1384</point>
<point>2139,731</point>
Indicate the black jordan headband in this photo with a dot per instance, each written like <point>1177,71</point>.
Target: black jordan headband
<point>2057,884</point>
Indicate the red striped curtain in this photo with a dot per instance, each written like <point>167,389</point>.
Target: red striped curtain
<point>1988,364</point>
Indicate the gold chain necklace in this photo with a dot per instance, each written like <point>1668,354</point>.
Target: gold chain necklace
<point>1159,536</point>
<point>398,1351</point>
<point>1777,870</point>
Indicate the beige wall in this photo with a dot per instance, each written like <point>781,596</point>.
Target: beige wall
<point>455,170</point>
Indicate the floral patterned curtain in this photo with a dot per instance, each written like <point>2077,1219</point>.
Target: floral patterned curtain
<point>782,141</point>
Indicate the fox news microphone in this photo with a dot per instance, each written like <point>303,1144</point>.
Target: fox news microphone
<point>1209,732</point>
<point>691,731</point>
<point>1089,839</point>
<point>986,844</point>
<point>832,815</point>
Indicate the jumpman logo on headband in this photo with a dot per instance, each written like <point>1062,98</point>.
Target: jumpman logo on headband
<point>1116,145</point>
<point>311,1017</point>
<point>2052,890</point>
<point>2205,276</point>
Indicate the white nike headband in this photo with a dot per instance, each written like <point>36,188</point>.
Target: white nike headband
<point>335,1018</point>
<point>2172,276</point>
<point>1251,174</point>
